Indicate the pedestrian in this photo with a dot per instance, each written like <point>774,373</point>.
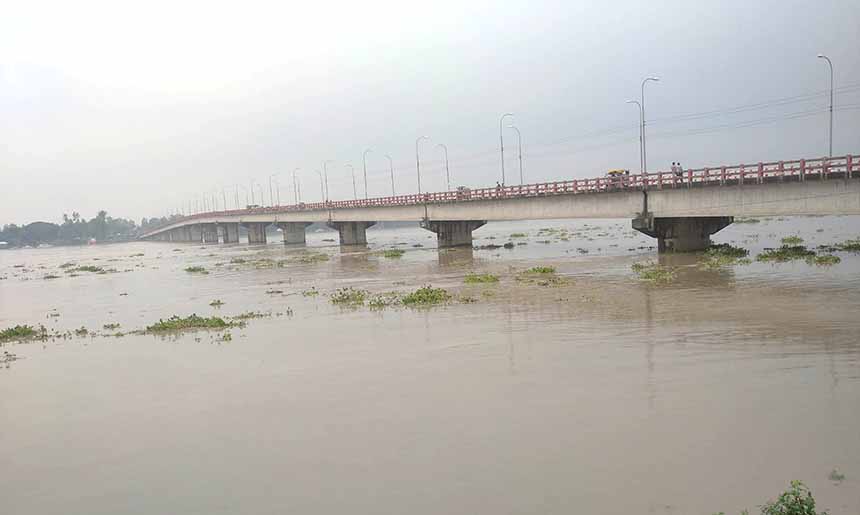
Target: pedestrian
<point>680,172</point>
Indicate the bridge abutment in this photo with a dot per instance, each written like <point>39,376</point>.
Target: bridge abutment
<point>256,232</point>
<point>682,234</point>
<point>229,232</point>
<point>294,232</point>
<point>351,233</point>
<point>457,233</point>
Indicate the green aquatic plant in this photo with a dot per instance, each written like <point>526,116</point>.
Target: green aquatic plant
<point>349,296</point>
<point>797,500</point>
<point>311,292</point>
<point>249,315</point>
<point>86,268</point>
<point>67,265</point>
<point>518,235</point>
<point>384,300</point>
<point>111,327</point>
<point>541,270</point>
<point>393,253</point>
<point>426,296</point>
<point>176,323</point>
<point>791,240</point>
<point>22,332</point>
<point>480,278</point>
<point>237,261</point>
<point>653,272</point>
<point>785,253</point>
<point>50,276</point>
<point>217,303</point>
<point>746,220</point>
<point>310,258</point>
<point>196,270</point>
<point>823,260</point>
<point>835,475</point>
<point>82,331</point>
<point>723,254</point>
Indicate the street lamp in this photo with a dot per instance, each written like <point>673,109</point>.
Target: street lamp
<point>447,174</point>
<point>271,193</point>
<point>641,167</point>
<point>325,175</point>
<point>251,189</point>
<point>364,162</point>
<point>418,161</point>
<point>237,196</point>
<point>352,171</point>
<point>502,144</point>
<point>295,187</point>
<point>830,63</point>
<point>322,186</point>
<point>391,168</point>
<point>519,150</point>
<point>642,104</point>
<point>260,189</point>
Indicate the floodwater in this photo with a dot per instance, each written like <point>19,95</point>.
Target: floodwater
<point>600,393</point>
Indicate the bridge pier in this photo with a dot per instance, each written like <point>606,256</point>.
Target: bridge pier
<point>294,232</point>
<point>682,234</point>
<point>196,233</point>
<point>210,233</point>
<point>351,233</point>
<point>452,233</point>
<point>256,232</point>
<point>229,232</point>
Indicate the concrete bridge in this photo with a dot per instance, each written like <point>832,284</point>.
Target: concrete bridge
<point>682,210</point>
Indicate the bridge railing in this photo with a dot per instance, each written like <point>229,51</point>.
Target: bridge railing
<point>821,168</point>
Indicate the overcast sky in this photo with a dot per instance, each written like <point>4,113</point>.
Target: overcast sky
<point>139,107</point>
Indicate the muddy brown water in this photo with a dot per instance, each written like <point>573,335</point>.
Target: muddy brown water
<point>601,394</point>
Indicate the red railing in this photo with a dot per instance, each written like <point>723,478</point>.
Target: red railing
<point>758,173</point>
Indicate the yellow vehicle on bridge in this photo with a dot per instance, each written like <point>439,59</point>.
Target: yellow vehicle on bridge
<point>617,173</point>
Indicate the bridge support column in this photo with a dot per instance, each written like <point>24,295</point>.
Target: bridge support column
<point>452,233</point>
<point>229,232</point>
<point>294,232</point>
<point>196,232</point>
<point>210,233</point>
<point>681,234</point>
<point>256,232</point>
<point>352,233</point>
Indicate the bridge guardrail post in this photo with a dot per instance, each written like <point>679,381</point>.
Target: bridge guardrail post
<point>825,169</point>
<point>848,166</point>
<point>761,173</point>
<point>722,176</point>
<point>781,170</point>
<point>802,170</point>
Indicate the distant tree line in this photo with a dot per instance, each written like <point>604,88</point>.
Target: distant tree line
<point>75,230</point>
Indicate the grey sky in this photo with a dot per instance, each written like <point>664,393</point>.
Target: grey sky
<point>139,108</point>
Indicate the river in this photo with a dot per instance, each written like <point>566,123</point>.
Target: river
<point>593,392</point>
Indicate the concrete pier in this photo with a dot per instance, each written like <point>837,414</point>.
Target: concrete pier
<point>352,233</point>
<point>452,233</point>
<point>196,233</point>
<point>294,232</point>
<point>210,233</point>
<point>682,234</point>
<point>229,232</point>
<point>256,232</point>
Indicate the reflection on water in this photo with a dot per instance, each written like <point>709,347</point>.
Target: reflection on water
<point>598,394</point>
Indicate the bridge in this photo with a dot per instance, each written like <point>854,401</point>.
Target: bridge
<point>681,209</point>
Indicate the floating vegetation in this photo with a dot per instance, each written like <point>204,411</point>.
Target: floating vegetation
<point>226,337</point>
<point>823,260</point>
<point>349,296</point>
<point>835,475</point>
<point>196,270</point>
<point>249,315</point>
<point>545,242</point>
<point>785,253</point>
<point>480,278</point>
<point>417,245</point>
<point>383,300</point>
<point>746,220</point>
<point>86,268</point>
<point>139,254</point>
<point>791,240</point>
<point>724,254</point>
<point>393,253</point>
<point>192,322</point>
<point>846,246</point>
<point>518,235</point>
<point>82,331</point>
<point>111,327</point>
<point>314,257</point>
<point>509,245</point>
<point>217,303</point>
<point>312,292</point>
<point>237,261</point>
<point>22,332</point>
<point>426,296</point>
<point>653,272</point>
<point>274,292</point>
<point>51,276</point>
<point>541,270</point>
<point>67,265</point>
<point>490,246</point>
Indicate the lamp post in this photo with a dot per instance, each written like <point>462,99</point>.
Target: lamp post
<point>418,161</point>
<point>519,150</point>
<point>641,166</point>
<point>271,192</point>
<point>642,105</point>
<point>447,174</point>
<point>391,168</point>
<point>364,162</point>
<point>502,144</point>
<point>354,191</point>
<point>295,187</point>
<point>251,189</point>
<point>224,195</point>
<point>237,196</point>
<point>322,185</point>
<point>830,64</point>
<point>260,189</point>
<point>325,176</point>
